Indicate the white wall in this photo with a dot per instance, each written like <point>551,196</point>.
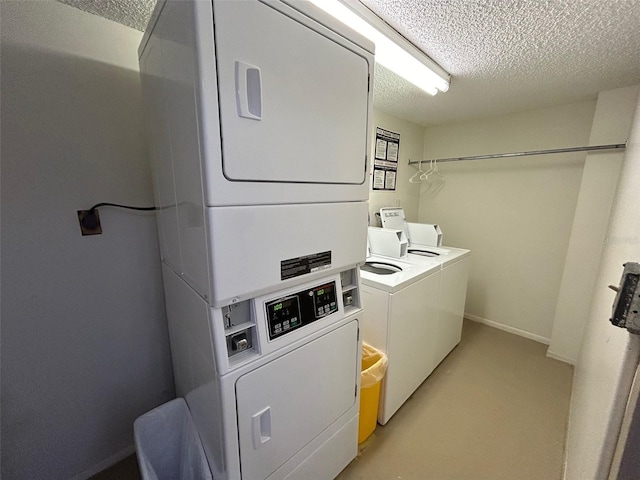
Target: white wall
<point>609,356</point>
<point>406,194</point>
<point>611,124</point>
<point>84,339</point>
<point>515,214</point>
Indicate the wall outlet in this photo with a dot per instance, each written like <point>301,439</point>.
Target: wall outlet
<point>89,222</point>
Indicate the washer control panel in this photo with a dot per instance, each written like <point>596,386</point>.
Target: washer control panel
<point>293,311</point>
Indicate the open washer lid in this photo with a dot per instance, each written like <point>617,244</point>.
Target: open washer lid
<point>420,236</point>
<point>394,218</point>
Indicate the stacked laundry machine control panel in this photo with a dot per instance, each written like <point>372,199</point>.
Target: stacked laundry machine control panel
<point>293,311</point>
<point>252,326</point>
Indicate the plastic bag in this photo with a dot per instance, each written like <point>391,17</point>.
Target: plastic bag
<point>374,366</point>
<point>168,445</point>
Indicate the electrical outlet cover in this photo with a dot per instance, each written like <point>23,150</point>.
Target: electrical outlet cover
<point>89,222</point>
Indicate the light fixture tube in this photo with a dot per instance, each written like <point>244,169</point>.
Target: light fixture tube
<point>388,52</point>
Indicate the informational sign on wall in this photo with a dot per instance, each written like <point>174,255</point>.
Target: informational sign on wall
<point>385,162</point>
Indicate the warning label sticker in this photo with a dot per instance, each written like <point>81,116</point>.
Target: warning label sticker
<point>294,267</point>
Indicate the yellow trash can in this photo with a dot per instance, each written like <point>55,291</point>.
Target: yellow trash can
<point>374,366</point>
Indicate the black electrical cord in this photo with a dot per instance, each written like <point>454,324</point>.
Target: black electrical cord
<point>90,219</point>
<point>106,204</point>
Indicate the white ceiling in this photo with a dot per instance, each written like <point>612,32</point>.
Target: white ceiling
<point>503,55</point>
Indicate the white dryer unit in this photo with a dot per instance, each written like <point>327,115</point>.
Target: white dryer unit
<point>259,113</point>
<point>401,309</point>
<point>272,384</point>
<point>257,109</point>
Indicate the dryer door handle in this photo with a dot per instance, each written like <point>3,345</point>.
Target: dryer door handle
<point>261,427</point>
<point>248,91</point>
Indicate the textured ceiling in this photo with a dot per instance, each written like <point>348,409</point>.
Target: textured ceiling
<point>132,13</point>
<point>504,55</point>
<point>511,55</point>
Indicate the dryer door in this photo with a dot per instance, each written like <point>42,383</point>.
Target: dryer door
<point>293,99</point>
<point>285,404</point>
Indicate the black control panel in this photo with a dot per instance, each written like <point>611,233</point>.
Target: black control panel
<point>293,311</point>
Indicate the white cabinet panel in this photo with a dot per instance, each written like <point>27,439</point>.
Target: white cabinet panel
<point>258,239</point>
<point>375,315</point>
<point>453,293</point>
<point>168,71</point>
<point>280,405</point>
<point>411,337</point>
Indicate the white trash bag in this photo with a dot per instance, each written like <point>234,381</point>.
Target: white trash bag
<point>168,445</point>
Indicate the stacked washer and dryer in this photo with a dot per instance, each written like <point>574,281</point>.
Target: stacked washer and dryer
<point>414,295</point>
<point>259,113</point>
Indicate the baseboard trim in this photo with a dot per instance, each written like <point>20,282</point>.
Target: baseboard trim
<point>507,328</point>
<point>106,463</point>
<point>561,358</point>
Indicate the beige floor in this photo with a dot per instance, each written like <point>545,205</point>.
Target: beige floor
<point>496,408</point>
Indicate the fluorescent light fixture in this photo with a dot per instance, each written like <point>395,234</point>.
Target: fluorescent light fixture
<point>406,60</point>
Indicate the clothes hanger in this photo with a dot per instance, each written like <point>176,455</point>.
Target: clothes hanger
<point>425,176</point>
<point>415,178</point>
<point>440,177</point>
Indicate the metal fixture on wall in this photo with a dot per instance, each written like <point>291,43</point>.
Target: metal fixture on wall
<point>590,148</point>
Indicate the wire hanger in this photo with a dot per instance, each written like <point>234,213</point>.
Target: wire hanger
<point>440,177</point>
<point>425,176</point>
<point>415,178</point>
<point>435,181</point>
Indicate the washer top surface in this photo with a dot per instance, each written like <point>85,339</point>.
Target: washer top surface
<point>394,274</point>
<point>381,268</point>
<point>441,255</point>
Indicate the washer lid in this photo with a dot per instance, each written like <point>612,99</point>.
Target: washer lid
<point>394,218</point>
<point>423,252</point>
<point>380,268</point>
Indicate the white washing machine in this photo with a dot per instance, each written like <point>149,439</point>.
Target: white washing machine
<point>401,308</point>
<point>454,263</point>
<point>454,275</point>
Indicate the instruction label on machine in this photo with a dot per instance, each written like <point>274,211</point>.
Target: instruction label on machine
<point>294,267</point>
<point>385,162</point>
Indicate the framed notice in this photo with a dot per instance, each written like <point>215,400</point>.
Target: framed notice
<point>385,161</point>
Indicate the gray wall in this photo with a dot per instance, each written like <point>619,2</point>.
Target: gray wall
<point>611,124</point>
<point>608,356</point>
<point>515,214</point>
<point>84,337</point>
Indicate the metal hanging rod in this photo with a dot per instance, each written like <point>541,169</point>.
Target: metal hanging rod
<point>615,146</point>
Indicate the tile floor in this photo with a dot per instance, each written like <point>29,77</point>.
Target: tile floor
<point>496,408</point>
